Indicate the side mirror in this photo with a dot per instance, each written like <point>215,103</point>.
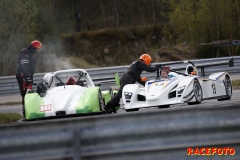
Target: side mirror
<point>97,84</point>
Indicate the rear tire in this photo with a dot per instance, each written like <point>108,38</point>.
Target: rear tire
<point>101,101</point>
<point>228,89</point>
<point>111,92</point>
<point>198,94</point>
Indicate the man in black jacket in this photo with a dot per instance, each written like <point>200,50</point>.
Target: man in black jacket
<point>26,68</point>
<point>130,77</point>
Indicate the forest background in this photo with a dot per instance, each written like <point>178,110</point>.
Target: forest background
<point>101,33</point>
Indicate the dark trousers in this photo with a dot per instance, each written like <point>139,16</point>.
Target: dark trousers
<point>125,79</point>
<point>22,92</point>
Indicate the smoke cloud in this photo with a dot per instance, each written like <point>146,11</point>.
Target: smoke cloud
<point>51,57</point>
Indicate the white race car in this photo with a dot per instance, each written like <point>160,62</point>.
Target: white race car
<point>178,88</point>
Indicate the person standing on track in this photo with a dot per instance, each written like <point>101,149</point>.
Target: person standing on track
<point>130,77</point>
<point>26,68</point>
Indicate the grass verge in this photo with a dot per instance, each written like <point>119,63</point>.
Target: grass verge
<point>236,83</point>
<point>10,103</point>
<point>9,117</point>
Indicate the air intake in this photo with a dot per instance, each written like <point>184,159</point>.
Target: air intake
<point>172,94</point>
<point>141,97</point>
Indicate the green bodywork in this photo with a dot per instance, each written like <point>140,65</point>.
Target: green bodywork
<point>117,81</point>
<point>32,106</point>
<point>89,101</point>
<point>107,97</point>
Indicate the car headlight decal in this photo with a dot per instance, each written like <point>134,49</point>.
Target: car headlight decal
<point>128,95</point>
<point>180,89</point>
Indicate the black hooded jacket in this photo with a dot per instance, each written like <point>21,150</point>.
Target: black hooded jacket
<point>136,68</point>
<point>26,62</point>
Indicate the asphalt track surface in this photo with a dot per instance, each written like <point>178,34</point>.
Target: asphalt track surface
<point>235,100</point>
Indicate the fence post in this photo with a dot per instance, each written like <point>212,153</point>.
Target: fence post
<point>76,145</point>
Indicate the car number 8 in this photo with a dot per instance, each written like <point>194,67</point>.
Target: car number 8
<point>214,88</point>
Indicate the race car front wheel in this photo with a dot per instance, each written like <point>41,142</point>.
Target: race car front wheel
<point>228,89</point>
<point>198,94</point>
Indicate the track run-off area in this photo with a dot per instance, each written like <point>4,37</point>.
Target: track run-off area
<point>235,100</point>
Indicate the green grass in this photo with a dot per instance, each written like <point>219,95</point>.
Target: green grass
<point>9,117</point>
<point>80,63</point>
<point>236,83</point>
<point>11,103</point>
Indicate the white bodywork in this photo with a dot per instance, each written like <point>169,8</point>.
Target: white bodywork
<point>63,98</point>
<point>172,91</point>
<point>66,97</point>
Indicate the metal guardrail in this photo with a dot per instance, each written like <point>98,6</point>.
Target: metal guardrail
<point>9,86</point>
<point>162,134</point>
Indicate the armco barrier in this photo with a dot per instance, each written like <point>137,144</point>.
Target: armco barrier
<point>161,134</point>
<point>9,86</point>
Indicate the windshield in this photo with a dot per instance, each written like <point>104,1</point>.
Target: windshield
<point>70,78</point>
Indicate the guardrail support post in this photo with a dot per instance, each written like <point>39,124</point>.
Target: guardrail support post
<point>76,145</point>
<point>202,72</point>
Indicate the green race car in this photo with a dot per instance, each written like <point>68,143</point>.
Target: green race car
<point>66,93</point>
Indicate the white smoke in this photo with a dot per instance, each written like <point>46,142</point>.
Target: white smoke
<point>51,58</point>
<point>63,64</point>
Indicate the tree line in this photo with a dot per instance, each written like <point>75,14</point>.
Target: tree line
<point>194,21</point>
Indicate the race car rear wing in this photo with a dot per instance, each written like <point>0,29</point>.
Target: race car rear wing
<point>230,63</point>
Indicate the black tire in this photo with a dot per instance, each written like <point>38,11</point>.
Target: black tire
<point>132,110</point>
<point>198,94</point>
<point>111,92</point>
<point>101,101</point>
<point>228,89</point>
<point>164,106</point>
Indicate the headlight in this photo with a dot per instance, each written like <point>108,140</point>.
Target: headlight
<point>128,95</point>
<point>180,90</point>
